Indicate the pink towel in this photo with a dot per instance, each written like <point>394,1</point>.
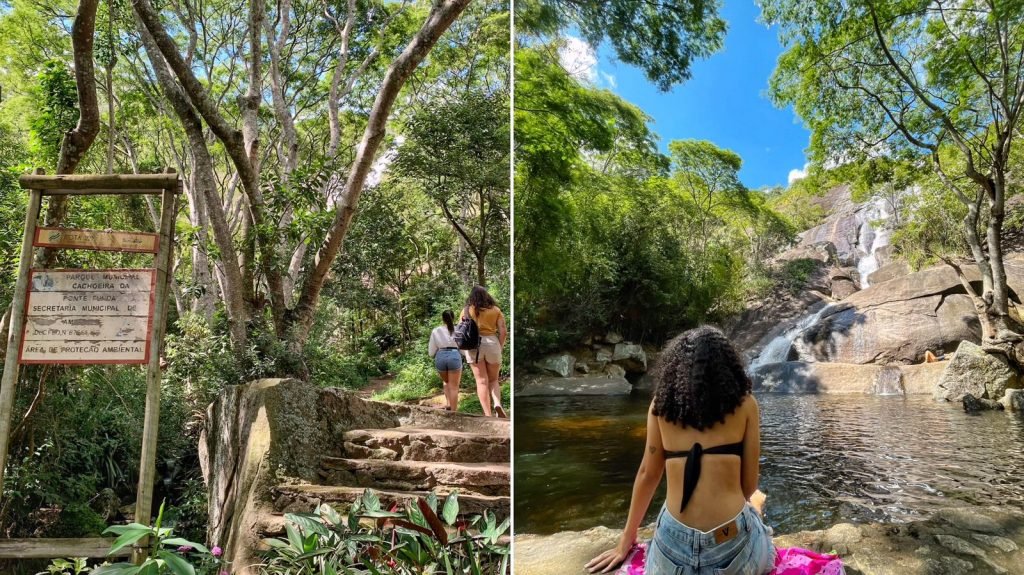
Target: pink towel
<point>634,563</point>
<point>788,561</point>
<point>797,561</point>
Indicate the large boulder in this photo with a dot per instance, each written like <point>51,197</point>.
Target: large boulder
<point>1013,400</point>
<point>630,356</point>
<point>899,320</point>
<point>254,434</point>
<point>841,283</point>
<point>978,373</point>
<point>802,377</point>
<point>560,364</point>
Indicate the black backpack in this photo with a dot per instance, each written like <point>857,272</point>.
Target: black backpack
<point>467,334</point>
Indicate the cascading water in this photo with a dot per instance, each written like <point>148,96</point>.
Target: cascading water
<point>871,239</point>
<point>778,349</point>
<point>889,381</point>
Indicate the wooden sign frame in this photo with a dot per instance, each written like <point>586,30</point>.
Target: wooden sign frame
<point>168,186</point>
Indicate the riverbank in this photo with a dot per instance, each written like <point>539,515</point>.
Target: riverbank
<point>978,540</point>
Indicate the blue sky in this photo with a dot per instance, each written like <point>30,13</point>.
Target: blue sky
<point>725,101</point>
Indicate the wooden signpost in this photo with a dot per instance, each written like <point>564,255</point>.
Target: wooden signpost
<point>87,317</point>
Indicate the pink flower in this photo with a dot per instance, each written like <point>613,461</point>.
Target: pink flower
<point>216,551</point>
<point>184,549</point>
<point>224,573</point>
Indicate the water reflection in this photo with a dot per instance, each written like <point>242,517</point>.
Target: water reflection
<point>824,459</point>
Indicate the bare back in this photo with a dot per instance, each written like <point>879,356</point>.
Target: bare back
<point>726,481</point>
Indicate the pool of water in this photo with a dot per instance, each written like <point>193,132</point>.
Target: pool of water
<point>825,459</point>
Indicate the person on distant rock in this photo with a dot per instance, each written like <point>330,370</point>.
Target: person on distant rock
<point>930,357</point>
<point>486,360</point>
<point>703,432</point>
<point>447,360</point>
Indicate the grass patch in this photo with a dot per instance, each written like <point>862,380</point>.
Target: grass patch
<point>470,403</point>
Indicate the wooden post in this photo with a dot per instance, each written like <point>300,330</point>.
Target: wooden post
<point>151,424</point>
<point>10,377</point>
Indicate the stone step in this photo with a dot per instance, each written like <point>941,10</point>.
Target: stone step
<point>304,498</point>
<point>422,444</point>
<point>474,478</point>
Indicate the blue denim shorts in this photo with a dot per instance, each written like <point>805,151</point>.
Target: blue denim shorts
<point>448,360</point>
<point>681,550</point>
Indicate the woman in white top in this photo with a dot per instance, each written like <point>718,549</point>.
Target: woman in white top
<point>447,359</point>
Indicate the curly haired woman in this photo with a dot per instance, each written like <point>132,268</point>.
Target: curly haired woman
<point>703,432</point>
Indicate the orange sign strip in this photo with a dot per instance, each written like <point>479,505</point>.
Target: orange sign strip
<point>111,241</point>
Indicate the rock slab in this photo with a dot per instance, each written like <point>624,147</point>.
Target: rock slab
<point>976,372</point>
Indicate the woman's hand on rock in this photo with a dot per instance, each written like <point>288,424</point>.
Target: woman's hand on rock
<point>608,560</point>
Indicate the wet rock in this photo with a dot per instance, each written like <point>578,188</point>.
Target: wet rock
<point>974,371</point>
<point>968,519</point>
<point>585,385</point>
<point>973,404</point>
<point>631,356</point>
<point>801,377</point>
<point>560,364</point>
<point>958,545</point>
<point>842,534</point>
<point>1013,399</point>
<point>613,338</point>
<point>1002,543</point>
<point>614,370</point>
<point>603,354</point>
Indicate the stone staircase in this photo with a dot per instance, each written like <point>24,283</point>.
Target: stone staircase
<point>277,446</point>
<point>431,450</point>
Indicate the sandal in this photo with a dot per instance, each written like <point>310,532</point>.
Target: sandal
<point>499,412</point>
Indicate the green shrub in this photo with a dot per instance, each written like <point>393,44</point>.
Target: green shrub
<point>415,541</point>
<point>77,520</point>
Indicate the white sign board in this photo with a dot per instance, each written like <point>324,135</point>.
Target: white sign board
<point>88,317</point>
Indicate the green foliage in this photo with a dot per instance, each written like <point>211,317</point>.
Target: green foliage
<point>166,552</point>
<point>425,538</point>
<point>76,566</point>
<point>662,38</point>
<point>471,403</point>
<point>57,113</point>
<point>77,520</point>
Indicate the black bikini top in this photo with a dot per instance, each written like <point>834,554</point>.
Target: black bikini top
<point>692,472</point>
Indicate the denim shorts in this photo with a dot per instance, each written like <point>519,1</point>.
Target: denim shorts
<point>681,550</point>
<point>448,360</point>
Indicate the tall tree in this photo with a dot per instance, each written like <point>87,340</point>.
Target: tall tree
<point>459,151</point>
<point>935,78</point>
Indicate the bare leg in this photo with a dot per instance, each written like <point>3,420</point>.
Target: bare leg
<point>482,388</point>
<point>444,382</point>
<point>451,389</point>
<point>493,387</point>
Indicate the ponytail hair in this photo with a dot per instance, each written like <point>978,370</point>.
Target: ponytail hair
<point>449,320</point>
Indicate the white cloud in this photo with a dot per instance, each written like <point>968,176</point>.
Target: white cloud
<point>797,174</point>
<point>579,59</point>
<point>609,79</point>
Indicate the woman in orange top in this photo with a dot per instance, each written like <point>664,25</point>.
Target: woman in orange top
<point>485,361</point>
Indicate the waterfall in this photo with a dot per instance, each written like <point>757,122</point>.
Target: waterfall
<point>889,381</point>
<point>870,239</point>
<point>778,348</point>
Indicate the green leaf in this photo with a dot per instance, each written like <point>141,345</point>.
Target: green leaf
<point>178,542</point>
<point>451,508</point>
<point>117,569</point>
<point>177,564</point>
<point>129,537</point>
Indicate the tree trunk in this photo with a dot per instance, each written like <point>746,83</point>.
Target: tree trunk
<point>442,14</point>
<point>205,185</point>
<point>76,142</point>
